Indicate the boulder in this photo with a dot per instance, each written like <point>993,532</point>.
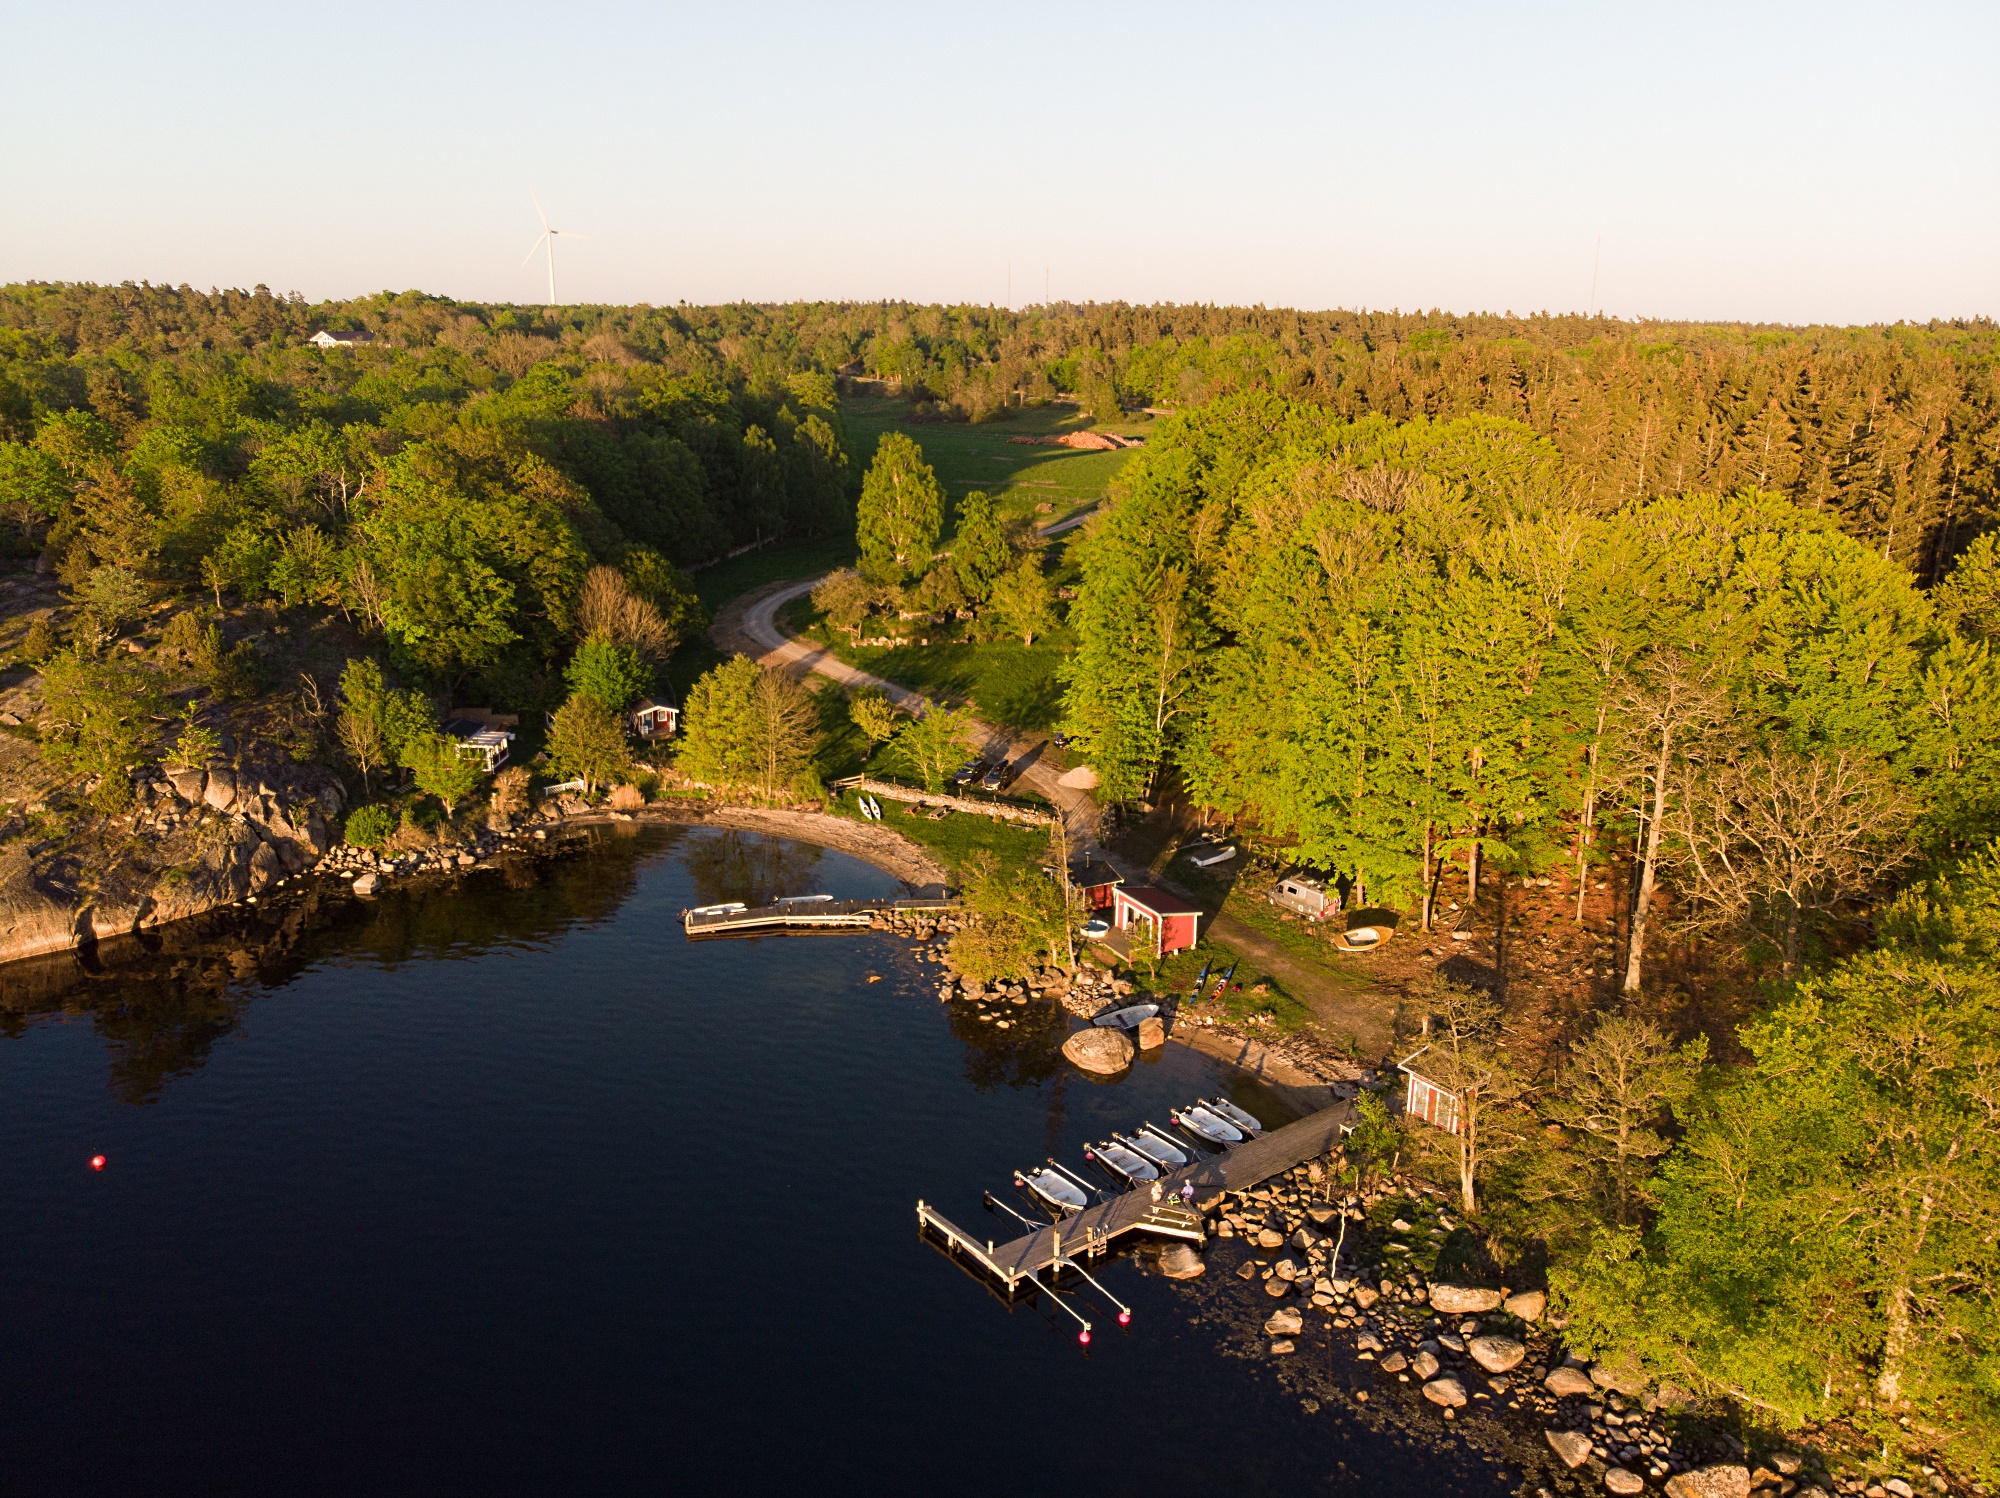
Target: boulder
<point>1424,1364</point>
<point>1099,1049</point>
<point>1365,1297</point>
<point>1448,1392</point>
<point>1283,1345</point>
<point>1285,1323</point>
<point>1496,1354</point>
<point>1526,1304</point>
<point>1565,1381</point>
<point>1620,1371</point>
<point>1152,1033</point>
<point>1572,1447</point>
<point>1276,1288</point>
<point>365,885</point>
<point>1726,1480</point>
<point>1270,1238</point>
<point>187,784</point>
<point>1395,1362</point>
<point>1462,1300</point>
<point>1179,1262</point>
<point>1367,1342</point>
<point>220,790</point>
<point>1618,1480</point>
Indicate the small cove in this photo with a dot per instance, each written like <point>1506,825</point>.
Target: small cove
<point>507,1187</point>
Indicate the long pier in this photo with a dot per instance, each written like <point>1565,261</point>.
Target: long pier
<point>1092,1231</point>
<point>799,914</point>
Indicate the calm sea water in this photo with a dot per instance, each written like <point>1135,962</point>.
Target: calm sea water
<point>509,1188</point>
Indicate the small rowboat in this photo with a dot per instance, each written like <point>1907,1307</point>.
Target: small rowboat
<point>1234,1114</point>
<point>1129,1166</point>
<point>802,899</point>
<point>1053,1191</point>
<point>1128,1017</point>
<point>1209,1128</point>
<point>1157,1147</point>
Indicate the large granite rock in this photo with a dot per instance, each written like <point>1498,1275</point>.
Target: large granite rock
<point>1723,1481</point>
<point>1099,1049</point>
<point>1177,1260</point>
<point>1496,1354</point>
<point>1572,1447</point>
<point>1152,1033</point>
<point>1448,1392</point>
<point>1463,1300</point>
<point>1565,1381</point>
<point>1526,1304</point>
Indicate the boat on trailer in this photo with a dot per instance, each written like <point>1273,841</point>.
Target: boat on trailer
<point>1245,1121</point>
<point>1129,1166</point>
<point>1210,1128</point>
<point>1161,1148</point>
<point>1052,1189</point>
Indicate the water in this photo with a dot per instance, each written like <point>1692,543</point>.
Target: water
<point>509,1188</point>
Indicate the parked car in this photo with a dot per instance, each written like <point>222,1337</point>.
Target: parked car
<point>995,779</point>
<point>969,773</point>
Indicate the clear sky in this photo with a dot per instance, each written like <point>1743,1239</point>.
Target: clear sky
<point>1777,163</point>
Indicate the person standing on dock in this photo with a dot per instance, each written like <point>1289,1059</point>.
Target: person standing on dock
<point>1187,1195</point>
<point>1156,1193</point>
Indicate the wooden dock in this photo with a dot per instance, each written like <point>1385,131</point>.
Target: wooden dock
<point>1092,1232</point>
<point>799,915</point>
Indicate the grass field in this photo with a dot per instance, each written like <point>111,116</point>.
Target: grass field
<point>959,836</point>
<point>1007,683</point>
<point>1018,477</point>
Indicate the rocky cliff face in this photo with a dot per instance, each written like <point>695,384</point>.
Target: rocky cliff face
<point>195,840</point>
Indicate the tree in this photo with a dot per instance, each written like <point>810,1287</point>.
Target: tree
<point>242,563</point>
<point>375,720</point>
<point>112,596</point>
<point>587,742</point>
<point>1825,1246</point>
<point>979,552</point>
<point>612,673</point>
<point>934,740</point>
<point>749,725</point>
<point>194,745</point>
<point>1618,1087</point>
<point>1025,601</point>
<point>440,769</point>
<point>1013,922</point>
<point>901,511</point>
<point>1662,711</point>
<point>1464,1059</point>
<point>871,711</point>
<point>609,610</point>
<point>1774,837</point>
<point>846,598</point>
<point>97,720</point>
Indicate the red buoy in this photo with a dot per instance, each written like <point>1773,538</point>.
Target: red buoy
<point>1124,1318</point>
<point>97,1162</point>
<point>1084,1337</point>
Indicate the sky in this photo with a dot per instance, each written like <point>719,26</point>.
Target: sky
<point>1779,163</point>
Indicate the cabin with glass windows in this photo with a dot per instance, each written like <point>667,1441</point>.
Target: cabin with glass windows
<point>1155,921</point>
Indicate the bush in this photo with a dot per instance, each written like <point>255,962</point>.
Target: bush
<point>370,826</point>
<point>39,643</point>
<point>627,798</point>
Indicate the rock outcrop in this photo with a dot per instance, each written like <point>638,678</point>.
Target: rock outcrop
<point>1462,1300</point>
<point>1724,1481</point>
<point>1099,1049</point>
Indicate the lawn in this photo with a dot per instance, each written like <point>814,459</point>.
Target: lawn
<point>1007,683</point>
<point>1019,477</point>
<point>959,836</point>
<point>1274,1007</point>
<point>716,585</point>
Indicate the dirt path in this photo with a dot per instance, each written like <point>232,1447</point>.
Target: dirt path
<point>749,626</point>
<point>1342,1007</point>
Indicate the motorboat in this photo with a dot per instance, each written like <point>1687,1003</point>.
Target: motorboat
<point>1052,1189</point>
<point>1127,1018</point>
<point>1128,1165</point>
<point>1209,1128</point>
<point>1209,860</point>
<point>734,907</point>
<point>1167,1153</point>
<point>802,900</point>
<point>1234,1114</point>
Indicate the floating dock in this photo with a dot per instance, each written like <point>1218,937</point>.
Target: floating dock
<point>799,914</point>
<point>1093,1231</point>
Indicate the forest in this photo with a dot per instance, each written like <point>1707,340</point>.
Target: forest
<point>1421,600</point>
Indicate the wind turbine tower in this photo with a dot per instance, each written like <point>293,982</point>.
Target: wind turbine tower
<point>548,238</point>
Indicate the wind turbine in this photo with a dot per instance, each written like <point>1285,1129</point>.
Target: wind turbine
<point>548,237</point>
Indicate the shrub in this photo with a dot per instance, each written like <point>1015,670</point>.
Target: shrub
<point>39,643</point>
<point>370,826</point>
<point>627,798</point>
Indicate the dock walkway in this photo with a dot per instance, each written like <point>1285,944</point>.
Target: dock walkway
<point>800,915</point>
<point>1091,1232</point>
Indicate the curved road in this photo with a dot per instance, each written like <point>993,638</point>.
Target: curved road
<point>750,625</point>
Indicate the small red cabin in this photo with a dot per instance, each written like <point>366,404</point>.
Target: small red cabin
<point>1094,880</point>
<point>1435,1105</point>
<point>1155,920</point>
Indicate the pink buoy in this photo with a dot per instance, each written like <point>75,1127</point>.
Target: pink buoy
<point>1124,1318</point>
<point>1083,1337</point>
<point>97,1162</point>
